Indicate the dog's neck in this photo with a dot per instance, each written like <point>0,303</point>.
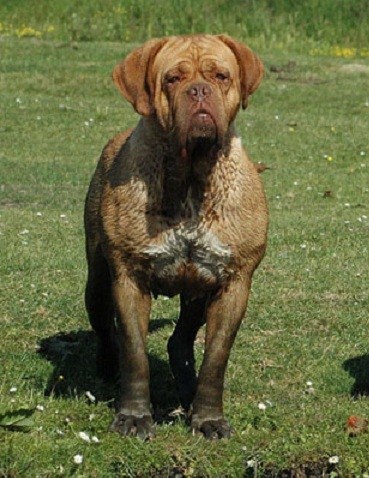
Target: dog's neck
<point>186,172</point>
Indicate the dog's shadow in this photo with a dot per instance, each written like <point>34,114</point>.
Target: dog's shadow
<point>73,355</point>
<point>358,368</point>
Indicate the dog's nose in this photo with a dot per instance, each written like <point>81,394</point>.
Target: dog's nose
<point>199,91</point>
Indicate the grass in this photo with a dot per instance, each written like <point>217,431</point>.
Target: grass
<point>268,22</point>
<point>308,315</point>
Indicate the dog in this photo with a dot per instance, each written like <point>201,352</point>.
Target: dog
<point>176,207</point>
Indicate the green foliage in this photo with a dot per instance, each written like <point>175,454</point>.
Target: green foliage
<point>268,22</point>
<point>17,419</point>
<point>308,314</point>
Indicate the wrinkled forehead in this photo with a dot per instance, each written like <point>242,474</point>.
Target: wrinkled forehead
<point>199,51</point>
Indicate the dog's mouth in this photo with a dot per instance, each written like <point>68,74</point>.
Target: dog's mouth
<point>202,125</point>
<point>199,130</point>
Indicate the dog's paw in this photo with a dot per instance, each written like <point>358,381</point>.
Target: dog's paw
<point>132,425</point>
<point>212,429</point>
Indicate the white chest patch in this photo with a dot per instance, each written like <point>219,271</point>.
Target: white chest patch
<point>187,250</point>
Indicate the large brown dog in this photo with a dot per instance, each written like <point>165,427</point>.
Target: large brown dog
<point>176,207</point>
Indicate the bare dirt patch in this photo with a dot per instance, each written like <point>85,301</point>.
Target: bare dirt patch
<point>355,68</point>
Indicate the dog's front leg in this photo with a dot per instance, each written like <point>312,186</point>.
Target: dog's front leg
<point>223,318</point>
<point>133,310</point>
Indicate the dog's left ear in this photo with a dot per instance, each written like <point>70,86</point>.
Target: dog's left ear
<point>132,76</point>
<point>251,68</point>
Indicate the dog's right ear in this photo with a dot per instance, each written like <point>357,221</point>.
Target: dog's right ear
<point>132,76</point>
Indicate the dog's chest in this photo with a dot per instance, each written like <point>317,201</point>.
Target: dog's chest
<point>189,259</point>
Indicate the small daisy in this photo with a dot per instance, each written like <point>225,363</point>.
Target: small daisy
<point>333,460</point>
<point>84,436</point>
<point>91,397</point>
<point>78,459</point>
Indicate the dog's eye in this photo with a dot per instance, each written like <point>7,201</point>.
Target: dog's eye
<point>221,76</point>
<point>171,80</point>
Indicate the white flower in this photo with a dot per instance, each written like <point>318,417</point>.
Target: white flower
<point>39,214</point>
<point>40,408</point>
<point>251,463</point>
<point>84,436</point>
<point>78,459</point>
<point>90,396</point>
<point>333,460</point>
<point>309,383</point>
<point>13,390</point>
<point>261,406</point>
<point>25,231</point>
<point>303,246</point>
<point>95,439</point>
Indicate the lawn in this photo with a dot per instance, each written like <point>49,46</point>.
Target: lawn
<point>300,365</point>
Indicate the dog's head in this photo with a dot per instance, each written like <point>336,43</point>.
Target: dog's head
<point>194,85</point>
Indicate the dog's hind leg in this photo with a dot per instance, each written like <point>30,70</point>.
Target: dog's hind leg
<point>100,308</point>
<point>180,348</point>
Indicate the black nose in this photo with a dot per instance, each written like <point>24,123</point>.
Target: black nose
<point>199,91</point>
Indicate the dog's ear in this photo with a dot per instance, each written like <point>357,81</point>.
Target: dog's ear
<point>251,68</point>
<point>133,79</point>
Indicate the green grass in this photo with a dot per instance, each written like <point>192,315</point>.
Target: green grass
<point>268,22</point>
<point>308,314</point>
